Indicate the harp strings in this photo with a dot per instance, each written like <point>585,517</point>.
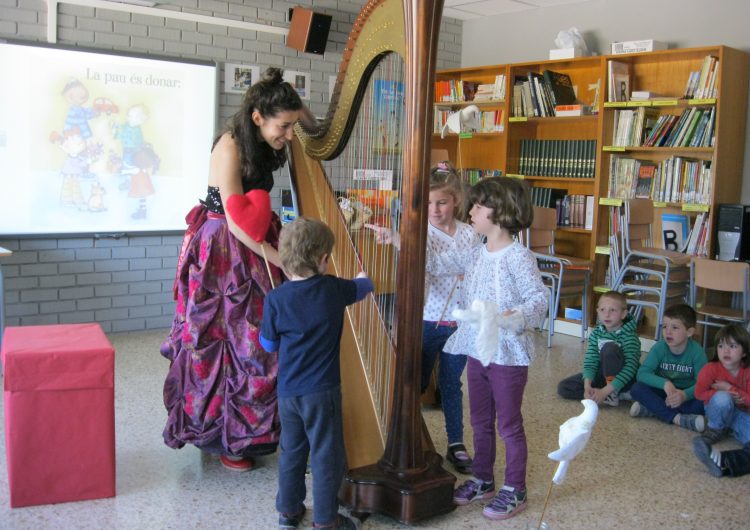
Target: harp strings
<point>366,183</point>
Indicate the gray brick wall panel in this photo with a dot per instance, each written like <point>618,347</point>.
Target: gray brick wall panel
<point>128,276</point>
<point>145,311</point>
<point>60,280</point>
<point>20,310</point>
<point>146,287</point>
<point>40,320</point>
<point>128,325</point>
<point>180,48</point>
<point>94,278</point>
<point>21,282</point>
<point>42,269</point>
<point>111,265</point>
<point>162,251</point>
<point>79,317</point>
<point>158,322</point>
<point>75,293</point>
<point>120,313</point>
<point>38,244</point>
<point>76,243</point>
<point>158,298</point>
<point>163,274</point>
<point>114,289</point>
<point>112,40</point>
<point>128,301</point>
<point>38,295</point>
<point>76,267</point>
<point>93,303</point>
<point>47,308</point>
<point>128,252</point>
<point>48,256</point>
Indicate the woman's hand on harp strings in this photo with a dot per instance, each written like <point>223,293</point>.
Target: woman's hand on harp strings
<point>384,235</point>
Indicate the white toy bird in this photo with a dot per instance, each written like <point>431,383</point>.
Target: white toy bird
<point>466,119</point>
<point>485,316</point>
<point>574,435</point>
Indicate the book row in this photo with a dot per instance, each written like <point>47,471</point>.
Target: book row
<point>573,211</point>
<point>473,175</point>
<point>558,158</point>
<point>676,180</point>
<point>538,94</point>
<point>458,91</point>
<point>645,126</point>
<point>489,121</point>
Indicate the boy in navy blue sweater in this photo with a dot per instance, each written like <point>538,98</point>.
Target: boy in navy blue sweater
<point>303,320</point>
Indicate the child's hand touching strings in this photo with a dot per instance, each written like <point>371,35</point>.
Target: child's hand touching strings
<point>384,235</point>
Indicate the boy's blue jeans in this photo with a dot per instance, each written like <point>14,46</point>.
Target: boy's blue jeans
<point>311,425</point>
<point>653,399</point>
<point>449,377</point>
<point>722,413</point>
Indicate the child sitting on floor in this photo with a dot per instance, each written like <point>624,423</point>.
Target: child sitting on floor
<point>612,358</point>
<point>724,387</point>
<point>666,381</point>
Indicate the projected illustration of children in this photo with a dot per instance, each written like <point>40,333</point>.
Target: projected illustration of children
<point>74,168</point>
<point>76,95</point>
<point>131,137</point>
<point>141,186</point>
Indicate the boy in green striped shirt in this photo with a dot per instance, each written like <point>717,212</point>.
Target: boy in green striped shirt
<point>612,358</point>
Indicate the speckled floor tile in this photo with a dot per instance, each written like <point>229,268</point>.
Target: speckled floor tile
<point>635,473</point>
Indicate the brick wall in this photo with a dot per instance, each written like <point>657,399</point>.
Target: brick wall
<point>126,284</point>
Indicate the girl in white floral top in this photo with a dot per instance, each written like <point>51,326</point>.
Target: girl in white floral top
<point>503,274</point>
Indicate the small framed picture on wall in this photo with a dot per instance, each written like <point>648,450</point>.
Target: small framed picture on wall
<point>300,81</point>
<point>239,77</point>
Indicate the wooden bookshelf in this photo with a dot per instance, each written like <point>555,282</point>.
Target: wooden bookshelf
<point>662,72</point>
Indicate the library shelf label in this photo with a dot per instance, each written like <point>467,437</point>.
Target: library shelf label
<point>514,119</point>
<point>613,148</point>
<point>465,135</point>
<point>514,176</point>
<point>602,249</point>
<point>659,204</point>
<point>705,101</point>
<point>664,102</point>
<point>609,201</point>
<point>687,207</point>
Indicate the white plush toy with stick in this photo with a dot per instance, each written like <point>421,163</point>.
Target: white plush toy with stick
<point>574,435</point>
<point>485,316</point>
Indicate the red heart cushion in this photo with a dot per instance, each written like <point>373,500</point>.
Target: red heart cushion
<point>251,212</point>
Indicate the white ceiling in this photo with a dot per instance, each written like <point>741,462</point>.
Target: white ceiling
<point>469,9</point>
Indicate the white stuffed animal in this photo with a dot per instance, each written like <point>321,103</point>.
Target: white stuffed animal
<point>574,435</point>
<point>485,316</point>
<point>468,119</point>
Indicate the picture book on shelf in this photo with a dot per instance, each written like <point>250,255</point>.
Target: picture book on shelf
<point>619,81</point>
<point>674,229</point>
<point>645,180</point>
<point>561,87</point>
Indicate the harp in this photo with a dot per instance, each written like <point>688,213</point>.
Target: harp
<point>357,167</point>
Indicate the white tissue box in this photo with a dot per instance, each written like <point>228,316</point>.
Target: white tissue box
<point>566,53</point>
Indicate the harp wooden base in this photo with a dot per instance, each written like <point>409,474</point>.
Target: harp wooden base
<point>406,497</point>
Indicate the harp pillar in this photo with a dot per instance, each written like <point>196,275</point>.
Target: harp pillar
<point>409,483</point>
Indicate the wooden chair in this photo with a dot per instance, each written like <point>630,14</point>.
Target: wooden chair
<point>564,276</point>
<point>649,276</point>
<point>714,277</point>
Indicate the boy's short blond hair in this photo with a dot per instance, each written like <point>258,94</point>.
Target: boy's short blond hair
<point>616,295</point>
<point>302,244</point>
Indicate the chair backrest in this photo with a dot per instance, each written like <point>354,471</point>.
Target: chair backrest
<point>728,276</point>
<point>636,226</point>
<point>540,236</point>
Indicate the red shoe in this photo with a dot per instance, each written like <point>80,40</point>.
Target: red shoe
<point>234,463</point>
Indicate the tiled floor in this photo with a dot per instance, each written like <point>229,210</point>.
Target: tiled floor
<point>635,473</point>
